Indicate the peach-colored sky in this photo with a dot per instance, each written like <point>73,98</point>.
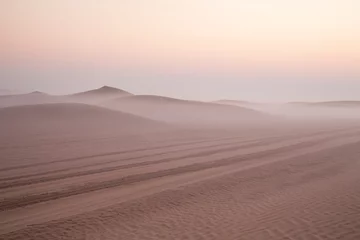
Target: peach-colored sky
<point>256,41</point>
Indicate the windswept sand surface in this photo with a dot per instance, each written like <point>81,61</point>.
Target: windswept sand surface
<point>281,183</point>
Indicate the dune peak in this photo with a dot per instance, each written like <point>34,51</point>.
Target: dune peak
<point>104,90</point>
<point>37,93</point>
<point>108,88</point>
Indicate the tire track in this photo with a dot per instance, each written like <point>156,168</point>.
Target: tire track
<point>114,153</point>
<point>200,207</point>
<point>252,143</point>
<point>260,140</point>
<point>131,158</point>
<point>16,202</point>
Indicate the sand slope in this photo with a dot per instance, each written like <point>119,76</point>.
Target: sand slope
<point>68,117</point>
<point>185,112</point>
<point>98,95</point>
<point>280,183</point>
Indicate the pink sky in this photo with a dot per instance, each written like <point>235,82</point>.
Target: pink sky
<point>303,41</point>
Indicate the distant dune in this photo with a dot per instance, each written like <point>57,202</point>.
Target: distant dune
<point>5,92</point>
<point>233,102</point>
<point>329,109</point>
<point>250,105</point>
<point>68,117</point>
<point>95,96</point>
<point>30,99</point>
<point>329,104</point>
<point>183,111</point>
<point>99,95</point>
<point>8,92</point>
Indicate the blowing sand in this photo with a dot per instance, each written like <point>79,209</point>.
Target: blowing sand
<point>285,182</point>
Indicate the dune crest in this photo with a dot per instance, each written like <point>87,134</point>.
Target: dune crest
<point>32,98</point>
<point>184,111</point>
<point>94,96</point>
<point>99,95</point>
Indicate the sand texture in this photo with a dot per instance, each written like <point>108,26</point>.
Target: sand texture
<point>286,182</point>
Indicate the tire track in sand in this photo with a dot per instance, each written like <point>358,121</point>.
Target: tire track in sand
<point>12,203</point>
<point>39,179</point>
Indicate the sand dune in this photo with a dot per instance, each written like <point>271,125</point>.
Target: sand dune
<point>342,104</point>
<point>331,109</point>
<point>234,102</point>
<point>99,95</point>
<point>184,111</point>
<point>257,106</point>
<point>7,92</point>
<point>61,118</point>
<point>286,182</point>
<point>304,110</point>
<point>80,171</point>
<point>30,99</point>
<point>95,96</point>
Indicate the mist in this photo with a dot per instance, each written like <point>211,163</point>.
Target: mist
<point>168,119</point>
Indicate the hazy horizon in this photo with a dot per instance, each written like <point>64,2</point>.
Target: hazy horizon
<point>277,51</point>
<point>7,91</point>
<point>106,164</point>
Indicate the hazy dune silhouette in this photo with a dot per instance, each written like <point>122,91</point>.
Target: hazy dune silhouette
<point>94,96</point>
<point>4,92</point>
<point>29,99</point>
<point>330,104</point>
<point>329,109</point>
<point>233,102</point>
<point>184,111</point>
<point>99,95</point>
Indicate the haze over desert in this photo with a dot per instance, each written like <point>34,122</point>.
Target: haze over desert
<point>180,120</point>
<point>72,167</point>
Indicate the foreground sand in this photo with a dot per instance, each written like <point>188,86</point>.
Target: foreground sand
<point>284,183</point>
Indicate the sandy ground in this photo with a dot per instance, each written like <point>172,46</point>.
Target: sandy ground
<point>291,182</point>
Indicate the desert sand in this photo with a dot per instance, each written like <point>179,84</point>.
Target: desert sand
<point>99,95</point>
<point>80,171</point>
<point>186,112</point>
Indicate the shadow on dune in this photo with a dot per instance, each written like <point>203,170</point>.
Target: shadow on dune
<point>71,118</point>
